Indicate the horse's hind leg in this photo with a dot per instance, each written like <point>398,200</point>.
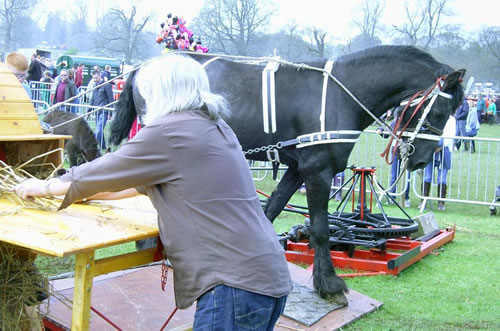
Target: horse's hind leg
<point>287,186</point>
<point>326,282</point>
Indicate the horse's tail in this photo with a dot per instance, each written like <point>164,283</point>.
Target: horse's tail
<point>125,112</point>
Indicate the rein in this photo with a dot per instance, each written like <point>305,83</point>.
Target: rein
<point>417,99</point>
<point>406,149</point>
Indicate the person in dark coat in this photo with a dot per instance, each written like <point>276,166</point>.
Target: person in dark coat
<point>35,70</point>
<point>101,96</point>
<point>65,90</point>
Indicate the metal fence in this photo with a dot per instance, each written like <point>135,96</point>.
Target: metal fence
<point>473,177</point>
<point>42,95</point>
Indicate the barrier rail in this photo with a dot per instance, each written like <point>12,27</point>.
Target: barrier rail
<point>42,96</point>
<point>473,177</point>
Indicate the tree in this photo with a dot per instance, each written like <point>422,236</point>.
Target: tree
<point>230,26</point>
<point>489,38</point>
<point>369,24</point>
<point>120,34</point>
<point>26,32</point>
<point>318,43</point>
<point>55,29</point>
<point>363,41</point>
<point>78,27</point>
<point>11,12</point>
<point>423,21</point>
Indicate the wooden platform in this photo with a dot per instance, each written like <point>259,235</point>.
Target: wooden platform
<point>133,300</point>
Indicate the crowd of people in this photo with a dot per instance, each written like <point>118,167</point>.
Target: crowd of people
<point>61,87</point>
<point>487,109</point>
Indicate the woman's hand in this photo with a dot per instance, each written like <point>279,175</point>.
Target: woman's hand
<point>40,188</point>
<point>33,188</point>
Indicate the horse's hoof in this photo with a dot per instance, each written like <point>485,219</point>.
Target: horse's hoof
<point>339,299</point>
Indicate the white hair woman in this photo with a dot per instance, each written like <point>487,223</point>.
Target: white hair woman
<point>182,84</point>
<point>190,164</point>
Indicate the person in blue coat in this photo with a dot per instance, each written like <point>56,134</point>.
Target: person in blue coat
<point>481,108</point>
<point>442,162</point>
<point>461,118</point>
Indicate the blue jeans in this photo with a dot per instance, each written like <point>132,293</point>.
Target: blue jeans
<point>460,132</point>
<point>101,120</point>
<point>396,164</point>
<point>442,173</point>
<point>228,308</point>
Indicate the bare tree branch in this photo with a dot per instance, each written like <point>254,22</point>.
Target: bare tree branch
<point>10,12</point>
<point>490,37</point>
<point>423,21</point>
<point>232,24</point>
<point>120,33</point>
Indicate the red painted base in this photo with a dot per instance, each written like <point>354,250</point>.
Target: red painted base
<point>374,262</point>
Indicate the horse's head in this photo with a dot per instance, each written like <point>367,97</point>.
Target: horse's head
<point>427,115</point>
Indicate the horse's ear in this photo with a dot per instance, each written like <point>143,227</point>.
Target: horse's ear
<point>454,79</point>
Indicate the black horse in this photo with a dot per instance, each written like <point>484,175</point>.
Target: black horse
<point>380,78</point>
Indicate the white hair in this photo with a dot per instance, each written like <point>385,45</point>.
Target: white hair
<point>174,83</point>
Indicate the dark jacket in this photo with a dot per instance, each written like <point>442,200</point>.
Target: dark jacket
<point>462,111</point>
<point>106,75</point>
<point>102,95</point>
<point>69,91</point>
<point>35,71</point>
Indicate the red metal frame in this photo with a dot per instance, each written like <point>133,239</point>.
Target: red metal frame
<point>52,325</point>
<point>374,262</point>
<point>400,253</point>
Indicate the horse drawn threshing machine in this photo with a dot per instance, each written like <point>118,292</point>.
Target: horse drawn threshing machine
<point>361,240</point>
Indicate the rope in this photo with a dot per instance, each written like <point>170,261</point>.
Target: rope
<point>169,318</point>
<point>303,66</point>
<point>57,105</point>
<point>80,116</point>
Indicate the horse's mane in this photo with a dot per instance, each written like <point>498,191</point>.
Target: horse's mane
<point>408,52</point>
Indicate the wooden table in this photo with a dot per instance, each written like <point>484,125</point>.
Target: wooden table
<point>80,230</point>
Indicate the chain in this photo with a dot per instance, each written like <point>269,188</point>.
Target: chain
<point>279,145</point>
<point>164,273</point>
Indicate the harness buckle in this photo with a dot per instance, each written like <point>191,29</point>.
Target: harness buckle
<point>273,155</point>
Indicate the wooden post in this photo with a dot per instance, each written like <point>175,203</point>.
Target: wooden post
<point>83,291</point>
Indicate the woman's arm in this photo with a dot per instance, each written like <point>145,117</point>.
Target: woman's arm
<point>128,193</point>
<point>40,188</point>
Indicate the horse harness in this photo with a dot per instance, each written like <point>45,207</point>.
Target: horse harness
<point>269,116</point>
<point>344,136</point>
<point>423,124</point>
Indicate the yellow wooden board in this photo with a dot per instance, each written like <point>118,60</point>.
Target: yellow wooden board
<point>79,228</point>
<point>13,94</point>
<point>17,114</point>
<point>22,110</point>
<point>34,137</point>
<point>8,79</point>
<point>15,126</point>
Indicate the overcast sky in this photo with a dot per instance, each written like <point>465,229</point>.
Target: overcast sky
<point>471,14</point>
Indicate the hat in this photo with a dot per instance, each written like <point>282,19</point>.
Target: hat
<point>17,61</point>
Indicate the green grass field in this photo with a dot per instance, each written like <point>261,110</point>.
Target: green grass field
<point>454,289</point>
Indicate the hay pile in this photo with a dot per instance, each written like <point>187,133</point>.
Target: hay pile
<point>21,285</point>
<point>12,176</point>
